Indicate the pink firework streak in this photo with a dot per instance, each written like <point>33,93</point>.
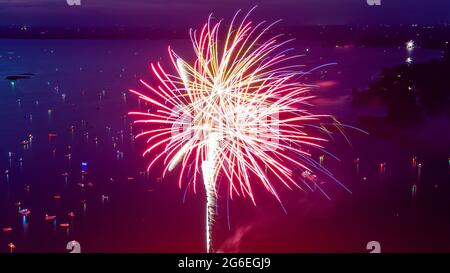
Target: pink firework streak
<point>236,113</point>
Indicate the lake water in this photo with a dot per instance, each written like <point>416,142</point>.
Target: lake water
<point>75,107</point>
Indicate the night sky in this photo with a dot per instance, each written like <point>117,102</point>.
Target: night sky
<point>179,13</point>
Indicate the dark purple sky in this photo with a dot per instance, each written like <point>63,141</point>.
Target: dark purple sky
<point>182,13</point>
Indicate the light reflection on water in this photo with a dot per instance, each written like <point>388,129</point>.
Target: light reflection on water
<point>78,93</point>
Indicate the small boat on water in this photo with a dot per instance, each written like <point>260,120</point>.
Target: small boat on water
<point>52,136</point>
<point>64,225</point>
<point>24,212</point>
<point>50,217</point>
<point>11,246</point>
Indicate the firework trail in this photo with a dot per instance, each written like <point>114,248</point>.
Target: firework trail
<point>236,113</point>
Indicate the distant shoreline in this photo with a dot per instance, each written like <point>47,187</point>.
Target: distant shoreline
<point>431,37</point>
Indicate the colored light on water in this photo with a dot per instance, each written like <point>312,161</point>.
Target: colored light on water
<point>84,166</point>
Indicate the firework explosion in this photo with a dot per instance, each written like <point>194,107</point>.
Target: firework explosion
<point>237,113</point>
